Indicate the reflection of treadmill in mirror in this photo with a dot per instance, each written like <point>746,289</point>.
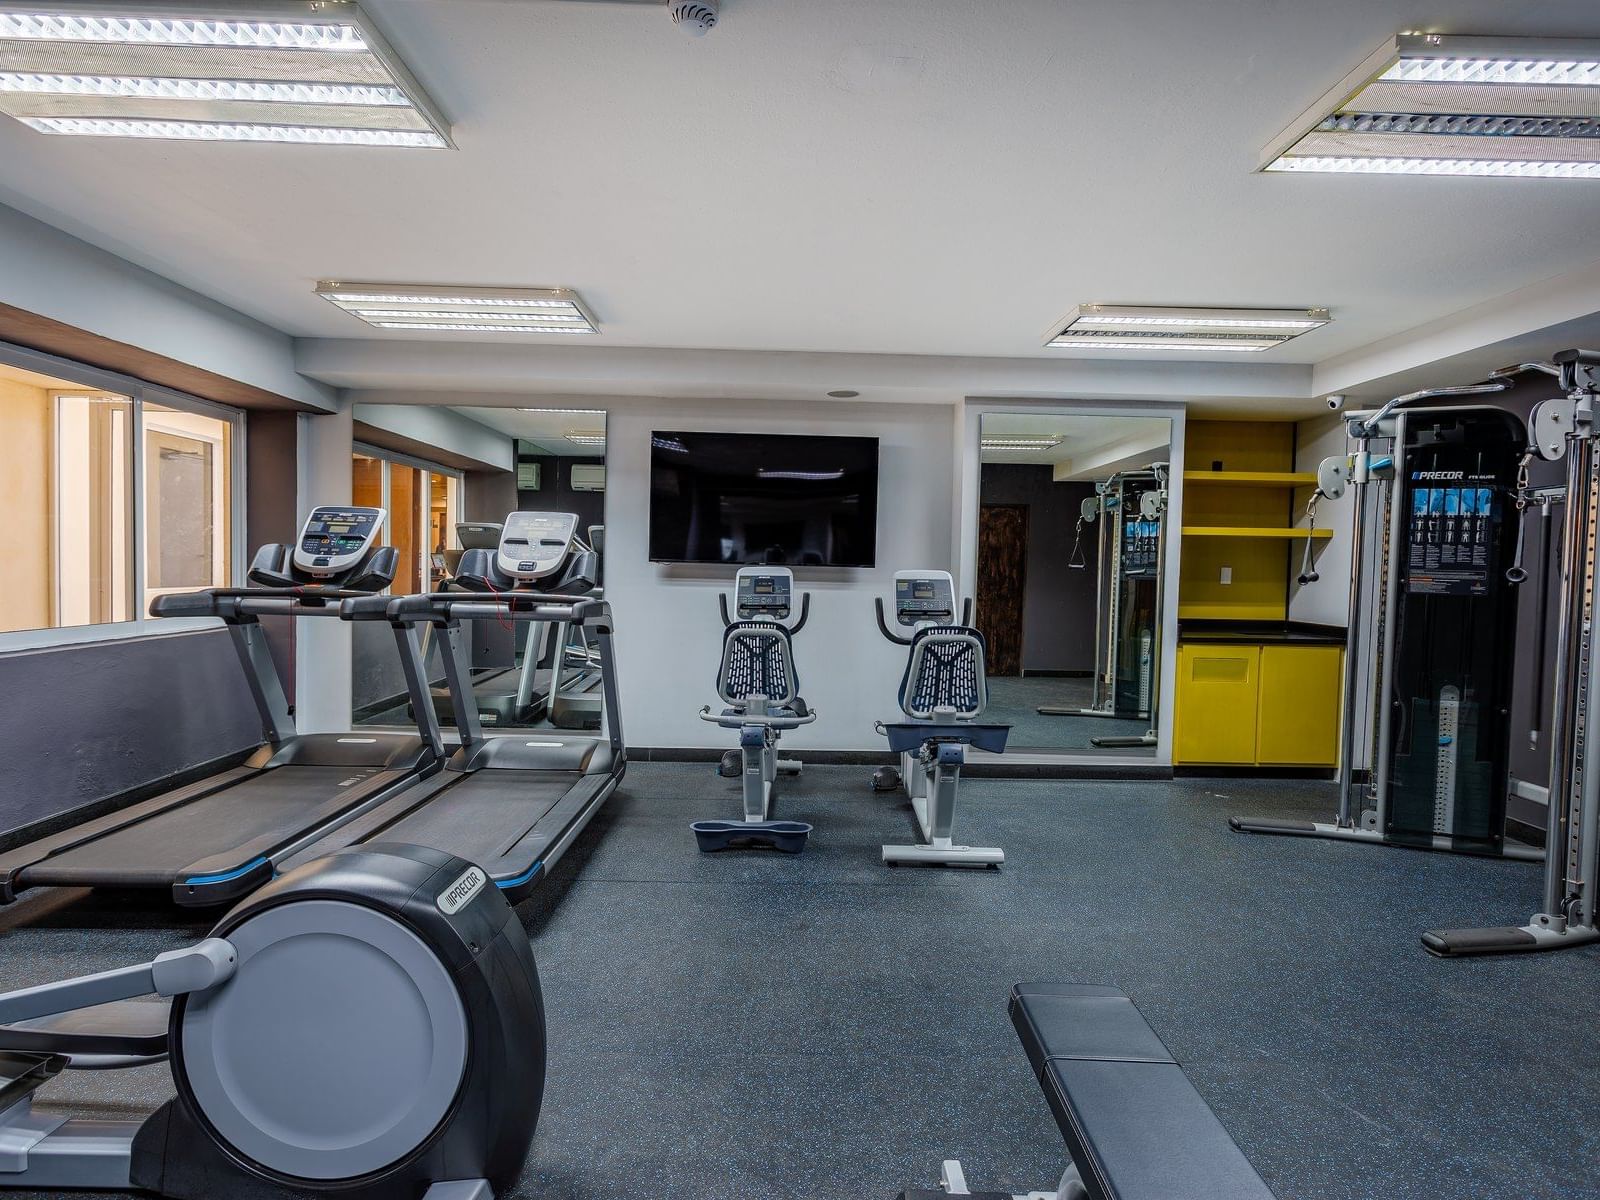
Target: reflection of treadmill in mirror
<point>577,697</point>
<point>511,695</point>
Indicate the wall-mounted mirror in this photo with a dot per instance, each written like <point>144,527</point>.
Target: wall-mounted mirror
<point>522,675</point>
<point>1071,554</point>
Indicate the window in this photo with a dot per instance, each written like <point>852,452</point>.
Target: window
<point>422,501</point>
<point>111,498</point>
<point>187,501</point>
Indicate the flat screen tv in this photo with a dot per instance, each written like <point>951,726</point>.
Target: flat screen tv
<point>763,498</point>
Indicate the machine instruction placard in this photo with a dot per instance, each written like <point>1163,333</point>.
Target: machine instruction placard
<point>1452,531</point>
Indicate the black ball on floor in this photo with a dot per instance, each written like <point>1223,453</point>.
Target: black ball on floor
<point>731,766</point>
<point>885,779</point>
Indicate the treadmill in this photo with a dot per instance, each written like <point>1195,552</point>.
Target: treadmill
<point>501,695</point>
<point>212,841</point>
<point>577,694</point>
<point>512,802</point>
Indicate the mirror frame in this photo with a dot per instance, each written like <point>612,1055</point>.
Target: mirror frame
<point>965,551</point>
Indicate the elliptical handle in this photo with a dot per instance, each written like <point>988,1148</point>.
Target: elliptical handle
<point>722,607</point>
<point>883,628</point>
<point>966,612</point>
<point>805,612</point>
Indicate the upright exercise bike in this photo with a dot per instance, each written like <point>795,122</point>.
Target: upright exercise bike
<point>943,693</point>
<point>760,692</point>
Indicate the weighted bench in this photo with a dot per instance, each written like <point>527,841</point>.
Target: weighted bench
<point>1134,1125</point>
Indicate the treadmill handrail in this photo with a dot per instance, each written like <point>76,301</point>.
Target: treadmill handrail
<point>232,604</point>
<point>477,606</point>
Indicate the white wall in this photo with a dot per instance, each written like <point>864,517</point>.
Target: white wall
<point>1327,601</point>
<point>669,636</point>
<point>322,646</point>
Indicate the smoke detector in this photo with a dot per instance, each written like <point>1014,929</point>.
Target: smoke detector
<point>698,17</point>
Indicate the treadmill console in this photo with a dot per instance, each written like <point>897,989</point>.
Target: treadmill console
<point>534,545</point>
<point>924,597</point>
<point>764,592</point>
<point>479,535</point>
<point>335,539</point>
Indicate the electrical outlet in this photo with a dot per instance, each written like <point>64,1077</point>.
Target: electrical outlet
<point>1227,575</point>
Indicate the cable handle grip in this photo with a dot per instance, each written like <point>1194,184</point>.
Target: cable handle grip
<point>883,628</point>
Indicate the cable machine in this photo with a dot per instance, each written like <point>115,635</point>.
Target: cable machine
<point>1444,625</point>
<point>1129,509</point>
<point>1564,427</point>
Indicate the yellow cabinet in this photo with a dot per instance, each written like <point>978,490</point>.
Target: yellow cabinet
<point>1218,690</point>
<point>1298,725</point>
<point>1258,704</point>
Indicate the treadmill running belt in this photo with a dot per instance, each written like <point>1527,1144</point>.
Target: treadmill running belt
<point>152,852</point>
<point>485,815</point>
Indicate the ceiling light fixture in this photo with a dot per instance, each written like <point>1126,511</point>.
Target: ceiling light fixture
<point>581,412</point>
<point>462,309</point>
<point>1021,442</point>
<point>309,72</point>
<point>1437,104</point>
<point>1236,330</point>
<point>844,394</point>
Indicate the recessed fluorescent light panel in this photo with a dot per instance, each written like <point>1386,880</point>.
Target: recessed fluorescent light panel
<point>1433,104</point>
<point>461,309</point>
<point>1239,330</point>
<point>293,71</point>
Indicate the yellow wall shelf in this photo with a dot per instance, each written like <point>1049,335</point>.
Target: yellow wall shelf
<point>1263,479</point>
<point>1253,531</point>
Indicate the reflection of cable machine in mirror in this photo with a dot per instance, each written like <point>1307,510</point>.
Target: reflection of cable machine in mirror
<point>1130,510</point>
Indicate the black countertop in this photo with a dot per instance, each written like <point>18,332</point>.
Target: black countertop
<point>1261,632</point>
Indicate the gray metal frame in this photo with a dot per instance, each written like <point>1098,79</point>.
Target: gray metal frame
<point>1572,862</point>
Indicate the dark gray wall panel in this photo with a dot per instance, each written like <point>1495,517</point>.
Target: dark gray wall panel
<point>1058,606</point>
<point>84,723</point>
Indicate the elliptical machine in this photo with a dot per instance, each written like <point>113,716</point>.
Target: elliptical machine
<point>760,691</point>
<point>943,693</point>
<point>368,1025</point>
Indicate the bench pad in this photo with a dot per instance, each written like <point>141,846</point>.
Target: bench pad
<point>1133,1123</point>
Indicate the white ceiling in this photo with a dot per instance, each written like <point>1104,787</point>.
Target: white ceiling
<point>918,177</point>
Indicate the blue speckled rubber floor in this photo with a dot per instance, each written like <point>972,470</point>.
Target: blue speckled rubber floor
<point>756,1025</point>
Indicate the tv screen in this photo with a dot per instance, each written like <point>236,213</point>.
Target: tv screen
<point>762,498</point>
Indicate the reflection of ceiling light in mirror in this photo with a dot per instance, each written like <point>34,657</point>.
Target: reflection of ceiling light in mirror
<point>670,444</point>
<point>1021,442</point>
<point>582,412</point>
<point>764,473</point>
<point>586,438</point>
<point>303,72</point>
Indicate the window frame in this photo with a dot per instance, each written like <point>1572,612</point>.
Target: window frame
<point>82,377</point>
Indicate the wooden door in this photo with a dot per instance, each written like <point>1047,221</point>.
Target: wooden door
<point>1002,582</point>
